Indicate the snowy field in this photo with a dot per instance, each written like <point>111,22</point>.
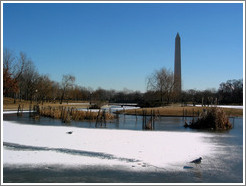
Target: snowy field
<point>132,149</point>
<point>112,108</point>
<point>13,112</point>
<point>223,106</point>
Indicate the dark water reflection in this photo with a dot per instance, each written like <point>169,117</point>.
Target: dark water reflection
<point>126,122</point>
<point>224,166</point>
<point>99,174</point>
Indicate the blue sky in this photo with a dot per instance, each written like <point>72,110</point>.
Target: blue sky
<point>117,45</point>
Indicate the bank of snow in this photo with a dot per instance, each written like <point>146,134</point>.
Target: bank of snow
<point>135,150</point>
<point>222,106</point>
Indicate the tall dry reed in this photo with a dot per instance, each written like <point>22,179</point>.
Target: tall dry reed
<point>67,114</point>
<point>213,118</point>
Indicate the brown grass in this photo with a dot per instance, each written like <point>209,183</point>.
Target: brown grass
<point>8,104</point>
<point>213,118</point>
<point>66,114</point>
<point>181,111</point>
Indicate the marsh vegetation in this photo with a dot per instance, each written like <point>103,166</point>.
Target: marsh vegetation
<point>212,118</point>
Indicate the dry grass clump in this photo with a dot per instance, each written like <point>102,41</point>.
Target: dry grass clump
<point>166,111</point>
<point>213,118</point>
<point>67,114</point>
<point>188,111</point>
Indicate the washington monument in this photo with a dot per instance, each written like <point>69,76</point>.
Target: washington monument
<point>177,66</point>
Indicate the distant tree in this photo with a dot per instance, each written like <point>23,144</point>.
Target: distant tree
<point>205,97</point>
<point>75,93</point>
<point>150,99</point>
<point>85,93</point>
<point>13,68</point>
<point>55,90</point>
<point>67,82</point>
<point>23,63</point>
<point>189,96</point>
<point>136,97</point>
<point>44,88</point>
<point>28,81</point>
<point>161,82</point>
<point>231,92</point>
<point>100,95</point>
<point>10,84</point>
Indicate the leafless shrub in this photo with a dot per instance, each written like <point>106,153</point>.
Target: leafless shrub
<point>214,118</point>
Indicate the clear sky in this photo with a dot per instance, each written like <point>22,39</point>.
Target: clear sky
<point>117,45</point>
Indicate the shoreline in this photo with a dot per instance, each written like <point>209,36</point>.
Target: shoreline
<point>167,111</point>
<point>187,111</point>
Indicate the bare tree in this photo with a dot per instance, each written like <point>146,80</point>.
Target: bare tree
<point>22,64</point>
<point>13,68</point>
<point>44,88</point>
<point>28,81</point>
<point>231,91</point>
<point>9,83</point>
<point>161,82</point>
<point>8,59</point>
<point>55,91</point>
<point>67,82</point>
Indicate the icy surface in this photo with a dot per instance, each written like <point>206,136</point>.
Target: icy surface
<point>13,111</point>
<point>223,106</point>
<point>40,145</point>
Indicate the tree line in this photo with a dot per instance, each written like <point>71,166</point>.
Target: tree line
<point>21,80</point>
<point>161,83</point>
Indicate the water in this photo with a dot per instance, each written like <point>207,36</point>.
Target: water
<point>98,174</point>
<point>223,166</point>
<point>125,122</point>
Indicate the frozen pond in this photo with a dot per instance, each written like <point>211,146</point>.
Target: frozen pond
<point>41,151</point>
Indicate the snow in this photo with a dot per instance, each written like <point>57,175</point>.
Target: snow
<point>79,103</point>
<point>112,108</point>
<point>223,106</point>
<point>231,106</point>
<point>13,111</point>
<point>134,150</point>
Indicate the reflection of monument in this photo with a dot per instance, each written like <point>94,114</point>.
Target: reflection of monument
<point>177,65</point>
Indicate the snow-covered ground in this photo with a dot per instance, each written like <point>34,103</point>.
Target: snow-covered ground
<point>13,111</point>
<point>86,103</point>
<point>112,108</point>
<point>32,145</point>
<point>223,106</point>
